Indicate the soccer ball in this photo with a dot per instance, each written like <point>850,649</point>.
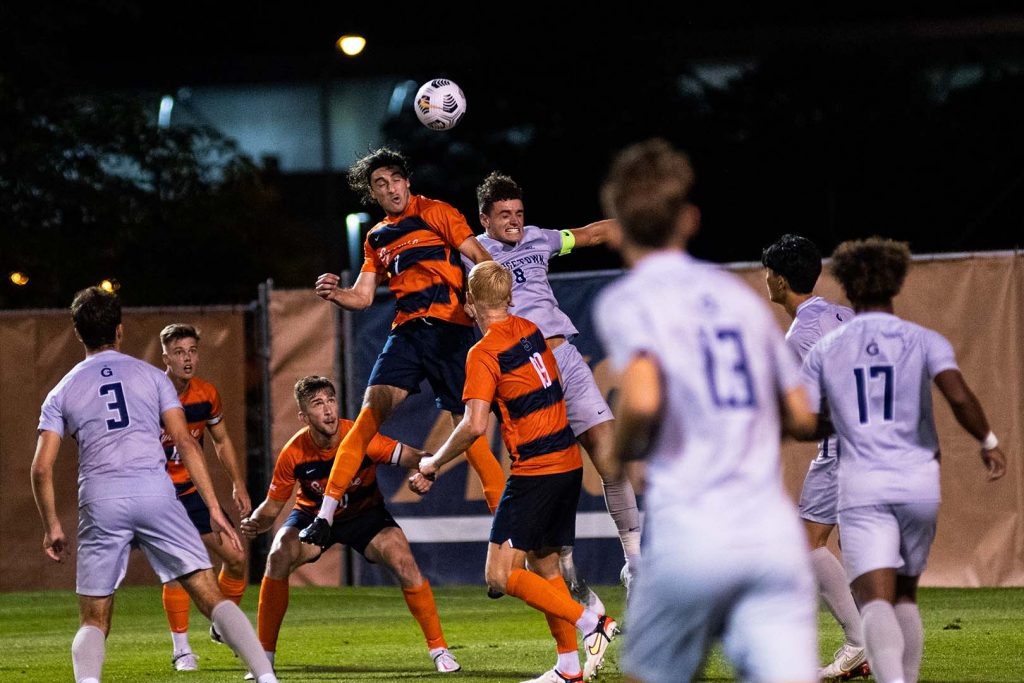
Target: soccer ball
<point>440,104</point>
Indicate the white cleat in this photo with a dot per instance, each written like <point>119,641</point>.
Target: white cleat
<point>850,661</point>
<point>445,662</point>
<point>596,644</point>
<point>185,661</point>
<point>556,676</point>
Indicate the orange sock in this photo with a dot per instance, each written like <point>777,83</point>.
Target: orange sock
<point>421,604</point>
<point>232,588</point>
<point>541,595</point>
<point>351,451</point>
<point>563,632</point>
<point>176,605</point>
<point>270,613</point>
<point>487,467</point>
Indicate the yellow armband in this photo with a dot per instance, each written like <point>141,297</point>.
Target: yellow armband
<point>568,242</point>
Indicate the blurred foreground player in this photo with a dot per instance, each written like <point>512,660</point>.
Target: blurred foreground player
<point>113,405</point>
<point>363,523</point>
<point>704,375</point>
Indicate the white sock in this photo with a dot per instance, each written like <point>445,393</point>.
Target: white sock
<point>270,656</point>
<point>435,651</point>
<point>835,591</point>
<point>620,499</point>
<point>568,662</point>
<point>180,641</point>
<point>587,621</point>
<point>883,641</point>
<point>237,632</point>
<point>87,652</point>
<point>327,509</point>
<point>267,678</point>
<point>909,619</point>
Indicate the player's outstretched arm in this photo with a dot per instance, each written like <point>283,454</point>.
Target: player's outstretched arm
<point>192,459</point>
<point>262,518</point>
<point>229,460</point>
<point>473,250</point>
<point>472,426</point>
<point>592,234</point>
<point>798,419</point>
<point>968,412</point>
<point>355,298</point>
<point>55,543</point>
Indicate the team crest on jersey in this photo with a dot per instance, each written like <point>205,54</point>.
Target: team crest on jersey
<point>872,348</point>
<point>525,343</point>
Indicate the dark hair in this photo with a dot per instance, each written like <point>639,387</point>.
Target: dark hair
<point>360,172</point>
<point>795,258</point>
<point>497,187</point>
<point>647,187</point>
<point>176,331</point>
<point>871,271</point>
<point>96,314</point>
<point>309,386</point>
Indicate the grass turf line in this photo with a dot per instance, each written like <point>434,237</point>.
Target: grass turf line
<point>367,634</point>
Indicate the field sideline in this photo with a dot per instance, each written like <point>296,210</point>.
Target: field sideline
<point>367,634</point>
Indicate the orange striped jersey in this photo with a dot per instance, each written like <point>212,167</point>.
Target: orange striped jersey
<point>201,402</point>
<point>513,364</point>
<point>419,253</point>
<point>302,461</point>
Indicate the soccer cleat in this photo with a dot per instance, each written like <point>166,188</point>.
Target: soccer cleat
<point>556,676</point>
<point>596,644</point>
<point>850,661</point>
<point>318,533</point>
<point>185,661</point>
<point>215,635</point>
<point>445,662</point>
<point>250,676</point>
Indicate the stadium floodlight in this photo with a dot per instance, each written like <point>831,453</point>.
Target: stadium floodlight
<point>18,278</point>
<point>163,119</point>
<point>354,223</point>
<point>351,45</point>
<point>110,285</point>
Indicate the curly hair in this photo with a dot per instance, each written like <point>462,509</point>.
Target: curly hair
<point>795,258</point>
<point>497,187</point>
<point>360,172</point>
<point>647,187</point>
<point>871,271</point>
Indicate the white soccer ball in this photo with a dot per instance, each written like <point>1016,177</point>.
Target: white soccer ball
<point>440,104</point>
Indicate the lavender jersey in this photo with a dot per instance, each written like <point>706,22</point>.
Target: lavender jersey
<point>111,404</point>
<point>724,365</point>
<point>532,297</point>
<point>876,373</point>
<point>815,318</point>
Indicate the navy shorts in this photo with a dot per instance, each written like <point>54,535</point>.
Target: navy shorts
<point>538,511</point>
<point>198,512</point>
<point>356,532</point>
<point>431,349</point>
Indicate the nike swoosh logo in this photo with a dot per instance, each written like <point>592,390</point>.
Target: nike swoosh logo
<point>601,412</point>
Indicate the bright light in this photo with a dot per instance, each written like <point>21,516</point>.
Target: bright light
<point>163,119</point>
<point>110,286</point>
<point>18,278</point>
<point>351,45</point>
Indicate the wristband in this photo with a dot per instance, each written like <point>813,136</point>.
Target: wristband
<point>989,442</point>
<point>568,242</point>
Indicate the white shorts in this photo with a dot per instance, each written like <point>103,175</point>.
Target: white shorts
<point>889,536</point>
<point>819,497</point>
<point>109,528</point>
<point>761,603</point>
<point>584,404</point>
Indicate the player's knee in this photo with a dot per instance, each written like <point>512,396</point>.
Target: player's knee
<point>280,562</point>
<point>496,577</point>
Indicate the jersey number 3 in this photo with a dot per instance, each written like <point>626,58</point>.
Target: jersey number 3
<point>117,405</point>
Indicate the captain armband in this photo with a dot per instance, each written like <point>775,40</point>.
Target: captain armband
<point>568,242</point>
<point>396,454</point>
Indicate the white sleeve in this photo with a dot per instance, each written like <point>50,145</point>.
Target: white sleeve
<point>51,417</point>
<point>622,329</point>
<point>552,240</point>
<point>939,353</point>
<point>166,394</point>
<point>810,373</point>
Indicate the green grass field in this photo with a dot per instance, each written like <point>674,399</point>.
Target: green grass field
<point>366,634</point>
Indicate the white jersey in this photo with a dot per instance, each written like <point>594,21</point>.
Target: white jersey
<point>527,260</point>
<point>815,318</point>
<point>111,404</point>
<point>876,373</point>
<point>724,363</point>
